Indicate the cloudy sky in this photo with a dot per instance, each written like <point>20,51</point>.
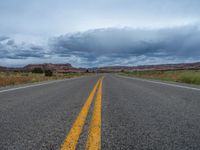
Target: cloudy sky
<point>89,33</point>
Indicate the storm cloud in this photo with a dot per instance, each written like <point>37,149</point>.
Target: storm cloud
<point>10,50</point>
<point>126,46</point>
<point>112,46</point>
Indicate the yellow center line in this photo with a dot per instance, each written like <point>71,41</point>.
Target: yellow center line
<point>72,138</point>
<point>94,135</point>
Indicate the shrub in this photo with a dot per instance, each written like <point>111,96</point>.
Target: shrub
<point>48,73</point>
<point>188,77</point>
<point>37,70</point>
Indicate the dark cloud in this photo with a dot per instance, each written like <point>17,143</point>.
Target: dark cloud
<point>2,38</point>
<point>113,46</point>
<point>108,45</point>
<point>10,50</point>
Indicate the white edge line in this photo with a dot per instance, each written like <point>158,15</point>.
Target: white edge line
<point>39,84</point>
<point>157,82</point>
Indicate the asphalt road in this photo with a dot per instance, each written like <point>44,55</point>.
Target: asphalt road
<point>125,113</point>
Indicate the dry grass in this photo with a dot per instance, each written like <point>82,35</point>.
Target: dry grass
<point>13,78</point>
<point>184,76</point>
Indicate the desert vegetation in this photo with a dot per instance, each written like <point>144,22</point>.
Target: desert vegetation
<point>183,76</point>
<point>15,78</point>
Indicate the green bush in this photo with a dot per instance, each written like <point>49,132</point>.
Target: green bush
<point>48,73</point>
<point>37,70</point>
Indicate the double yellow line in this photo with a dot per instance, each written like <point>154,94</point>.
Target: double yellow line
<point>94,134</point>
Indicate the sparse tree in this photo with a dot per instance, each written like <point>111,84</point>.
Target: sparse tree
<point>48,73</point>
<point>37,70</point>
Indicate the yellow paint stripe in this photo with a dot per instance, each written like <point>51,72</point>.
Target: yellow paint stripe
<point>94,136</point>
<point>75,131</point>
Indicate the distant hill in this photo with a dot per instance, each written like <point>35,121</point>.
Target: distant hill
<point>2,68</point>
<point>48,66</point>
<point>183,66</point>
<point>69,68</point>
<point>64,68</point>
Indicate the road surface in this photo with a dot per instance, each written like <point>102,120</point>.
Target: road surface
<point>110,112</point>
